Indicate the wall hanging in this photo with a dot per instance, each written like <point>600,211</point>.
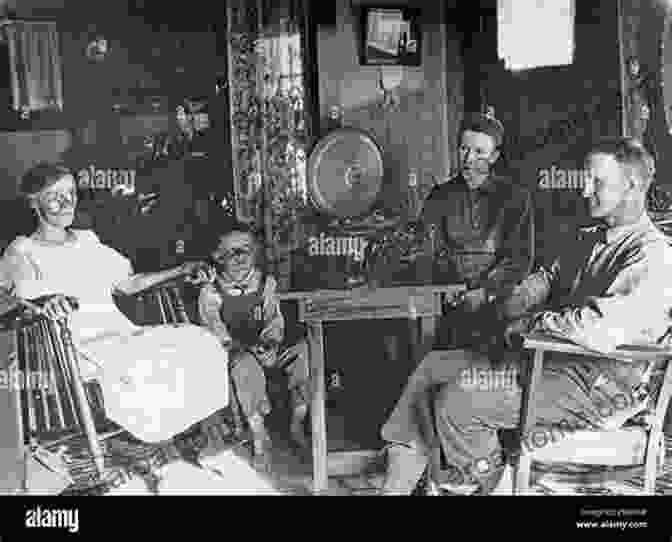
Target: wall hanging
<point>35,65</point>
<point>270,119</point>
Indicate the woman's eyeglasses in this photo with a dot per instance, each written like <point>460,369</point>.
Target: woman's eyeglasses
<point>237,253</point>
<point>55,201</point>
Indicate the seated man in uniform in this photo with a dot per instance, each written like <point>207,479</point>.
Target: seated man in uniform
<point>611,287</point>
<point>481,225</point>
<point>240,306</point>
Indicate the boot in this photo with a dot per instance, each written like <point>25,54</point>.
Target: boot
<point>405,466</point>
<point>190,443</point>
<point>261,444</point>
<point>297,430</point>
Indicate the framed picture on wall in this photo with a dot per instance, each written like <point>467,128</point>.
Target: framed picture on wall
<point>390,36</point>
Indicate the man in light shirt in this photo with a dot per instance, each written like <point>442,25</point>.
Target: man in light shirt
<point>613,286</point>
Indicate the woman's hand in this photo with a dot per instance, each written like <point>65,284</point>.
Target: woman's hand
<point>56,307</point>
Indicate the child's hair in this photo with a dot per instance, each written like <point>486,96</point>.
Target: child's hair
<point>233,227</point>
<point>239,227</point>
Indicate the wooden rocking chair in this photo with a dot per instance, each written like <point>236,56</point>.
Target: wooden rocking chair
<point>61,413</point>
<point>51,409</point>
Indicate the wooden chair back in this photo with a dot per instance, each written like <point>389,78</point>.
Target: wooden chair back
<point>49,401</point>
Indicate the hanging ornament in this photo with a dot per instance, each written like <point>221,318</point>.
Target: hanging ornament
<point>97,49</point>
<point>389,81</point>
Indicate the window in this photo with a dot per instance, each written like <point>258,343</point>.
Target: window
<point>535,33</point>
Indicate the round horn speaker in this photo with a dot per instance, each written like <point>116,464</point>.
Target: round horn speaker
<point>345,173</point>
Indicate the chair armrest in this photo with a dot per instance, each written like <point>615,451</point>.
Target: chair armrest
<point>664,395</point>
<point>547,343</point>
<point>541,343</point>
<point>25,312</point>
<point>529,380</point>
<point>177,282</point>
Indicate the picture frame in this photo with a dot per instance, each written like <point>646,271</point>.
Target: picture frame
<point>390,36</point>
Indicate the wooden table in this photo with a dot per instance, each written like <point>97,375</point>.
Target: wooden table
<point>412,302</point>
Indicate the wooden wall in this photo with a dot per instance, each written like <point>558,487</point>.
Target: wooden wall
<point>421,134</point>
<point>643,22</point>
<point>154,49</point>
<point>552,115</point>
<point>146,57</point>
<point>21,150</point>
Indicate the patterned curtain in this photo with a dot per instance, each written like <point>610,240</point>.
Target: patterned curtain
<point>37,81</point>
<point>270,115</point>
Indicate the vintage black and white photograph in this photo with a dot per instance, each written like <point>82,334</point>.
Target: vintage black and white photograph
<point>392,37</point>
<point>334,248</point>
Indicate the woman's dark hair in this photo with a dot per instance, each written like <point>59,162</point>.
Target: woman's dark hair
<point>42,176</point>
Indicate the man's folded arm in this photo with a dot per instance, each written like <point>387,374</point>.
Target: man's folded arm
<point>639,302</point>
<point>531,294</point>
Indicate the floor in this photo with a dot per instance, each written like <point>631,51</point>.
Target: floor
<point>292,476</point>
<point>291,473</point>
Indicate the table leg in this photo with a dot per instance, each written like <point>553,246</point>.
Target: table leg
<point>427,334</point>
<point>414,339</point>
<point>422,337</point>
<point>318,414</point>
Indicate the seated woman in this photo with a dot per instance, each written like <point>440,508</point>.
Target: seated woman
<point>156,381</point>
<point>239,305</point>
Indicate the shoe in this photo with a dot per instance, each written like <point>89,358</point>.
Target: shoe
<point>300,443</point>
<point>261,454</point>
<point>462,490</point>
<point>452,482</point>
<point>190,444</point>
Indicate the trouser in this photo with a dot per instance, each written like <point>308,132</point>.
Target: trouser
<point>405,428</point>
<point>249,378</point>
<point>406,423</point>
<point>468,415</point>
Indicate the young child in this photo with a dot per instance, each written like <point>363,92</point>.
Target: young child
<point>240,306</point>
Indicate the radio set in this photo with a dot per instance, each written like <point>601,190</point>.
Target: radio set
<point>350,241</point>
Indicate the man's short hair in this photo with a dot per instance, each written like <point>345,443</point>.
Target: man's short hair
<point>485,123</point>
<point>631,154</point>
